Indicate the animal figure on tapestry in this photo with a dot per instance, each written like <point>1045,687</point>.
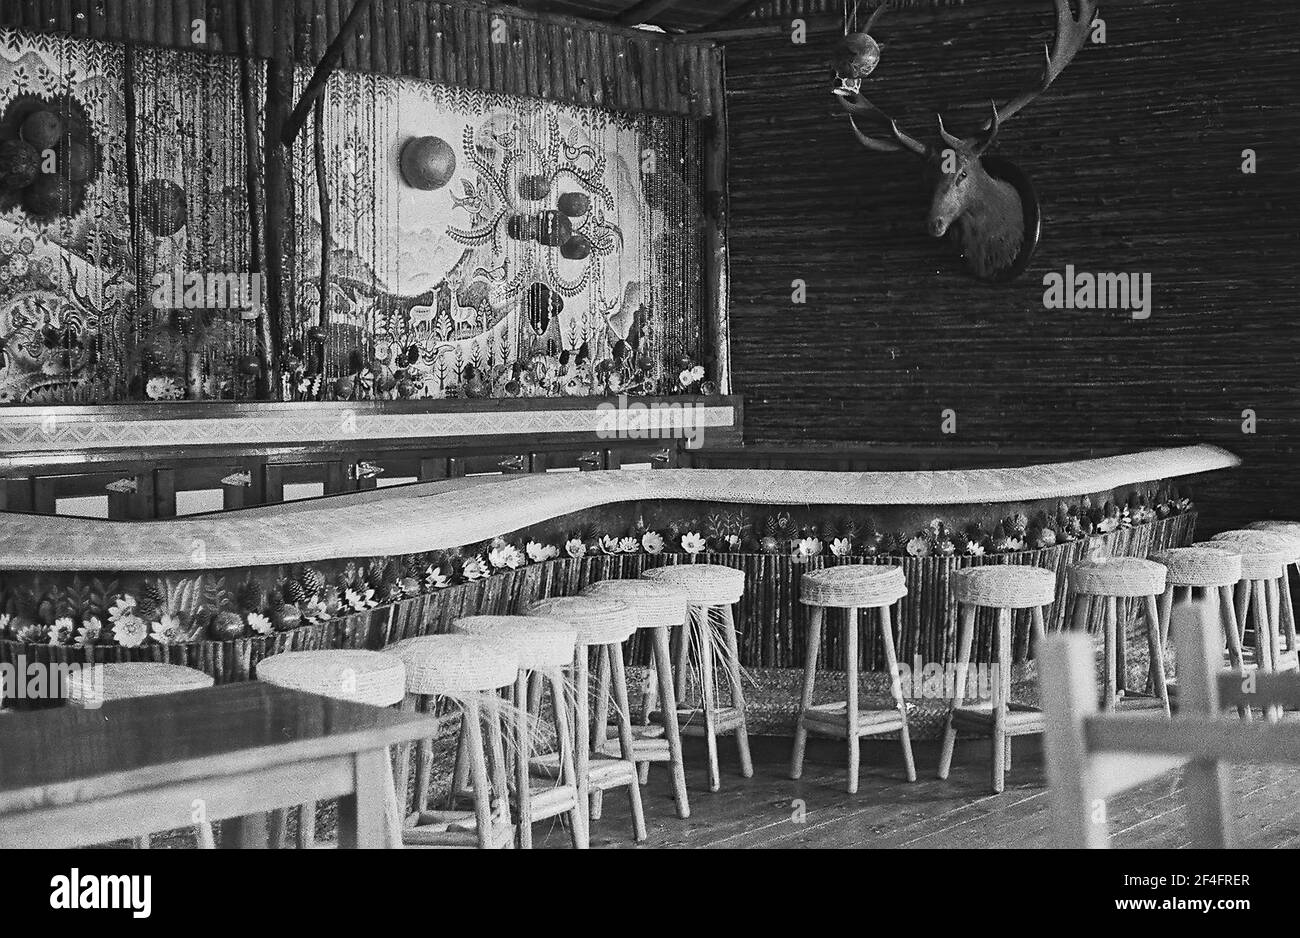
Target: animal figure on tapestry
<point>985,206</point>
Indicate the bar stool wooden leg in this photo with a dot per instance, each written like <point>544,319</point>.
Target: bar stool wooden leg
<point>815,617</point>
<point>1003,637</point>
<point>682,676</point>
<point>664,673</point>
<point>710,702</point>
<point>535,688</point>
<point>851,708</point>
<point>614,654</point>
<point>1112,618</point>
<point>499,767</point>
<point>581,726</point>
<point>599,739</point>
<point>472,727</point>
<point>1288,611</point>
<point>965,639</point>
<point>1079,618</point>
<point>1166,605</point>
<point>896,689</point>
<point>578,828</point>
<point>1157,652</point>
<point>737,691</point>
<point>523,752</point>
<point>1231,628</point>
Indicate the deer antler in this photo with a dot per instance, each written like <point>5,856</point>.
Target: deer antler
<point>856,104</point>
<point>1071,36</point>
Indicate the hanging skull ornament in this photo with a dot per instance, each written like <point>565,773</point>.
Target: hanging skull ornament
<point>857,54</point>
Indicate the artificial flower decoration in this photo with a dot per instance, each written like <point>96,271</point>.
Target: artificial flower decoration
<point>167,630</point>
<point>653,542</point>
<point>841,547</point>
<point>975,549</point>
<point>317,611</point>
<point>435,579</point>
<point>474,569</point>
<point>130,630</point>
<point>918,547</point>
<point>506,557</point>
<point>540,553</point>
<point>693,543</point>
<point>125,606</point>
<point>575,548</point>
<point>607,545</point>
<point>360,599</point>
<point>90,633</point>
<point>807,547</point>
<point>628,545</point>
<point>260,624</point>
<point>62,631</point>
<point>31,633</point>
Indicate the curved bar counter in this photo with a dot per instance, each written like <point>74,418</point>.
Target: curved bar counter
<point>450,514</point>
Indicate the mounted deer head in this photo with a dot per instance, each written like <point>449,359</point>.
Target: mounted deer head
<point>991,216</point>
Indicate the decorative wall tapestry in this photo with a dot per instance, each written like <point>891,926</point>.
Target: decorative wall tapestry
<point>480,245</point>
<point>485,245</point>
<point>64,247</point>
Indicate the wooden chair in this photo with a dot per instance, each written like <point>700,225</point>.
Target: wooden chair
<point>544,648</point>
<point>467,674</point>
<point>851,588</point>
<point>658,608</point>
<point>1002,587</point>
<point>1110,580</point>
<point>95,685</point>
<point>1093,756</point>
<point>368,677</point>
<point>603,625</point>
<point>710,638</point>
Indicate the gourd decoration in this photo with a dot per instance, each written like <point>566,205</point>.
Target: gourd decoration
<point>428,163</point>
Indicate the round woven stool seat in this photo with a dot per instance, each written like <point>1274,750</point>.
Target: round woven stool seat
<point>539,643</point>
<point>598,621</point>
<point>1004,586</point>
<point>1291,528</point>
<point>448,665</point>
<point>1204,567</point>
<point>853,586</point>
<point>126,679</point>
<point>369,677</point>
<point>1119,576</point>
<point>706,584</point>
<point>1271,538</point>
<point>654,605</point>
<point>1258,562</point>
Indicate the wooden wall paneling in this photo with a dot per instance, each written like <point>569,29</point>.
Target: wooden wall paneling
<point>1137,169</point>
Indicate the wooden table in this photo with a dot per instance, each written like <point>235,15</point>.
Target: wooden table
<point>72,777</point>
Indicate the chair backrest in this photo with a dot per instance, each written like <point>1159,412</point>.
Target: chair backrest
<point>1091,756</point>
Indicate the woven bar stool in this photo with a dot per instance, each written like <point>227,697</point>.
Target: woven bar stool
<point>1004,588</point>
<point>603,625</point>
<point>1265,557</point>
<point>544,648</point>
<point>712,590</point>
<point>1111,580</point>
<point>1290,529</point>
<point>851,588</point>
<point>1208,576</point>
<point>657,608</point>
<point>369,677</point>
<point>468,672</point>
<point>96,685</point>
